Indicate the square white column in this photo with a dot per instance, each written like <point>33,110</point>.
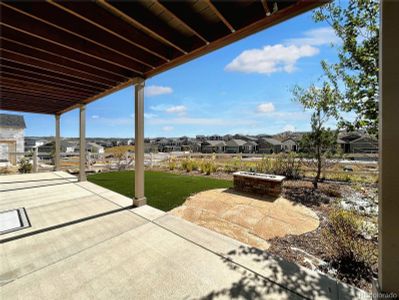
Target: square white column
<point>139,198</point>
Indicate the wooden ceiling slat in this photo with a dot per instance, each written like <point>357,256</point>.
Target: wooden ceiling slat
<point>26,108</point>
<point>17,86</point>
<point>239,16</point>
<point>43,86</point>
<point>25,92</point>
<point>52,62</point>
<point>54,70</point>
<point>275,18</point>
<point>42,79</point>
<point>62,20</point>
<point>193,21</point>
<point>99,67</point>
<point>41,100</point>
<point>56,56</point>
<point>142,18</point>
<point>220,16</point>
<point>9,65</point>
<point>93,13</point>
<point>31,26</point>
<point>266,7</point>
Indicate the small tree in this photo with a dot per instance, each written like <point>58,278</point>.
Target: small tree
<point>121,155</point>
<point>355,74</point>
<point>320,141</point>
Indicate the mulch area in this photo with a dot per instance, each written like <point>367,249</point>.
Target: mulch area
<point>312,242</point>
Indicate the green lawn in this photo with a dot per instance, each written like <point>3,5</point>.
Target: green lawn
<point>163,190</point>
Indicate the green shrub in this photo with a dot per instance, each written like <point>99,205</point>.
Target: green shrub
<point>208,167</point>
<point>189,165</point>
<point>287,165</point>
<point>172,164</point>
<point>349,253</point>
<point>24,165</point>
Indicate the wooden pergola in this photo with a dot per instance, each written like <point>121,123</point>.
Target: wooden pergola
<point>60,55</point>
<point>57,55</point>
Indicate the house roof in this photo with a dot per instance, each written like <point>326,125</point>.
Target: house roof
<point>16,121</point>
<point>253,143</point>
<point>215,143</point>
<point>294,139</point>
<point>57,55</point>
<point>366,137</point>
<point>272,141</point>
<point>235,142</point>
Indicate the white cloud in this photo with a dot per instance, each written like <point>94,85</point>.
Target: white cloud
<point>167,128</point>
<point>95,117</point>
<point>289,127</point>
<point>265,108</point>
<point>178,109</point>
<point>149,115</point>
<point>316,37</point>
<point>271,59</point>
<point>156,90</point>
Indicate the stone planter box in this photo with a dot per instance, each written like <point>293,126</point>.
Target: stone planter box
<point>258,183</point>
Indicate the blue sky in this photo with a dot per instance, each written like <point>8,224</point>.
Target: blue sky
<point>241,88</point>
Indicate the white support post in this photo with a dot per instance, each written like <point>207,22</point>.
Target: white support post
<point>82,143</point>
<point>57,143</point>
<point>139,198</point>
<point>35,162</point>
<point>388,202</point>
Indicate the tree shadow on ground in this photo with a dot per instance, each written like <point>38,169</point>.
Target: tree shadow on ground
<point>264,276</point>
<point>303,192</point>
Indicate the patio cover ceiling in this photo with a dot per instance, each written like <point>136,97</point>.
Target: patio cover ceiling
<point>56,55</point>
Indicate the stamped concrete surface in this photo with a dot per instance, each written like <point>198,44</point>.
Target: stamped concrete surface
<point>119,252</point>
<point>249,219</point>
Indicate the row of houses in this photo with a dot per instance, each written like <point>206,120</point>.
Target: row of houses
<point>12,140</point>
<point>348,143</point>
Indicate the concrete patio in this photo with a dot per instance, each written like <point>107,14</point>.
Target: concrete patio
<point>88,242</point>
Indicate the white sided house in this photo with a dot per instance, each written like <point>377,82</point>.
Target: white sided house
<point>289,145</point>
<point>11,138</point>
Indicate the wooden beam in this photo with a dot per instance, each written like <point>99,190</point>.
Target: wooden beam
<point>220,15</point>
<point>22,22</point>
<point>172,9</point>
<point>103,94</point>
<point>27,93</point>
<point>102,18</point>
<point>50,102</point>
<point>280,16</point>
<point>22,85</point>
<point>25,82</point>
<point>266,8</point>
<point>54,63</point>
<point>137,15</point>
<point>30,66</point>
<point>28,109</point>
<point>42,104</point>
<point>25,75</point>
<point>100,67</point>
<point>62,20</point>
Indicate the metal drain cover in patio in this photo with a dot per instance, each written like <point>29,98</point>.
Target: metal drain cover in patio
<point>13,220</point>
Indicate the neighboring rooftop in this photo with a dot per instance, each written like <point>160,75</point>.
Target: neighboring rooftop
<point>17,121</point>
<point>272,141</point>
